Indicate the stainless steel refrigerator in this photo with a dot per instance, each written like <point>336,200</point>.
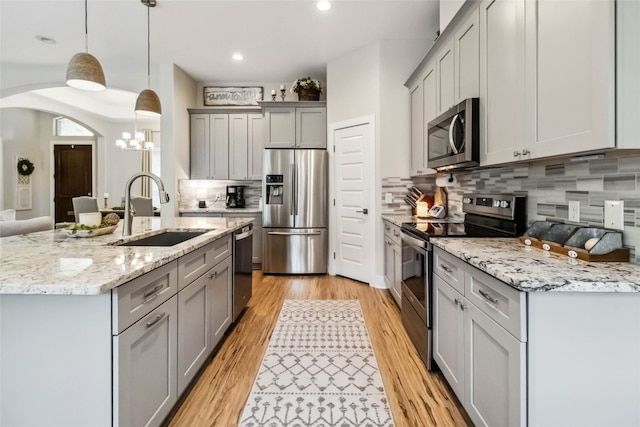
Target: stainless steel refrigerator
<point>294,216</point>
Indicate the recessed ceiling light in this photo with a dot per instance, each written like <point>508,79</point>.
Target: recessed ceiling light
<point>323,5</point>
<point>237,57</point>
<point>45,39</point>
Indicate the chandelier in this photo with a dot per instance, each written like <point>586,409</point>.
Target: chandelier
<point>136,142</point>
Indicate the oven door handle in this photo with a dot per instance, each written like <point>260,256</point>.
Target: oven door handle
<point>417,244</point>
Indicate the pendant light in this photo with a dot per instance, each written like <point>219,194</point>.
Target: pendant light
<point>84,70</point>
<point>148,102</point>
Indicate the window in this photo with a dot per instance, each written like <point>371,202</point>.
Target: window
<point>67,127</point>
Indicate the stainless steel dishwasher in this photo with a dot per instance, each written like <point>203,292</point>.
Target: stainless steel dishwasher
<point>242,268</point>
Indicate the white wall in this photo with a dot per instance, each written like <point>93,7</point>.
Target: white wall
<point>370,81</point>
<point>178,93</point>
<point>398,59</point>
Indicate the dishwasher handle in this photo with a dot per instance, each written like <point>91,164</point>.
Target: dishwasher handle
<point>244,233</point>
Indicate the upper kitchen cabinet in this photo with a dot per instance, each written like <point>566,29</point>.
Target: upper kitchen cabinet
<point>226,146</point>
<point>467,59</point>
<point>423,109</point>
<point>570,76</point>
<point>295,126</point>
<point>445,65</point>
<point>502,68</point>
<point>628,70</point>
<point>209,146</point>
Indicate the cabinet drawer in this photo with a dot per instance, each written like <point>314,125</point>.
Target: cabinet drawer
<point>502,303</point>
<point>195,264</point>
<point>135,299</point>
<point>449,268</point>
<point>392,231</point>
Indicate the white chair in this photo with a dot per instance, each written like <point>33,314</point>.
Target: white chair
<point>84,204</point>
<point>142,206</point>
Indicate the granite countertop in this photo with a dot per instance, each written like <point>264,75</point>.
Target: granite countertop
<point>221,209</point>
<point>51,262</point>
<point>535,270</point>
<point>398,219</point>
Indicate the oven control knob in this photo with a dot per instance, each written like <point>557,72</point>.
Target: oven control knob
<point>504,204</point>
<point>496,203</point>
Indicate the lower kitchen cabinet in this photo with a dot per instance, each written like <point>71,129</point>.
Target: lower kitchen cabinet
<point>393,261</point>
<point>120,358</point>
<point>483,362</point>
<point>219,294</point>
<point>193,330</point>
<point>145,368</point>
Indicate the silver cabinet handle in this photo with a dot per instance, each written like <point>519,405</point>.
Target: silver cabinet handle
<point>487,296</point>
<point>148,296</point>
<point>214,274</point>
<point>445,268</point>
<point>363,211</point>
<point>457,301</point>
<point>516,153</point>
<point>283,233</point>
<point>386,227</point>
<point>462,306</point>
<point>155,320</point>
<point>388,243</point>
<point>525,151</point>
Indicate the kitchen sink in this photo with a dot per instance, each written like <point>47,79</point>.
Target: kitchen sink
<point>166,238</point>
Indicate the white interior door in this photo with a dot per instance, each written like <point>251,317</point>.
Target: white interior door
<point>354,173</point>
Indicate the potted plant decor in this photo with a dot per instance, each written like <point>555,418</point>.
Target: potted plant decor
<point>308,89</point>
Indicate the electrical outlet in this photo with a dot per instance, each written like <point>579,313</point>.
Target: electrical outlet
<point>614,214</point>
<point>574,211</point>
<point>388,198</point>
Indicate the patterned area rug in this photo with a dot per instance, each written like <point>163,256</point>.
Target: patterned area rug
<point>319,370</point>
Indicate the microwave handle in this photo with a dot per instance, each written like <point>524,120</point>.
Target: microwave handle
<point>451,141</point>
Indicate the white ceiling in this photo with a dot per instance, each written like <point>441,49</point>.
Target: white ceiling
<point>280,40</point>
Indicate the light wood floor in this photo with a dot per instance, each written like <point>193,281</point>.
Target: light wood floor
<point>416,397</point>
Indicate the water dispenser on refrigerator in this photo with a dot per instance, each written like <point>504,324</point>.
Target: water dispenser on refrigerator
<point>275,189</point>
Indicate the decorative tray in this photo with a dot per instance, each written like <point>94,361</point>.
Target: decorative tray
<point>591,244</point>
<point>91,233</point>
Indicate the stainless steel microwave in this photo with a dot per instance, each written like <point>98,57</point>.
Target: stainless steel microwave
<point>454,137</point>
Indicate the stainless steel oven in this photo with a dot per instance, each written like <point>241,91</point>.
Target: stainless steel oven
<point>416,293</point>
<point>486,215</point>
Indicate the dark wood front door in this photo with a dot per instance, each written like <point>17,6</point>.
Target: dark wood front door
<point>73,170</point>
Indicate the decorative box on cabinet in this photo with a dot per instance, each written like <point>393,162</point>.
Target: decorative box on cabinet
<point>295,124</point>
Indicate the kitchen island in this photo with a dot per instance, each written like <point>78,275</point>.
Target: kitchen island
<point>97,334</point>
<point>531,338</point>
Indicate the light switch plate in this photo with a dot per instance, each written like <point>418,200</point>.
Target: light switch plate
<point>574,211</point>
<point>614,214</point>
<point>388,198</point>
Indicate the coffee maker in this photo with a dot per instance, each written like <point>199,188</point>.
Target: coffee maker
<point>235,196</point>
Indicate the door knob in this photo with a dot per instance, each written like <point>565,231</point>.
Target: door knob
<point>363,211</point>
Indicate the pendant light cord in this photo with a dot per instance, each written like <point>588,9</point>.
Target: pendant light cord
<point>148,49</point>
<point>86,28</point>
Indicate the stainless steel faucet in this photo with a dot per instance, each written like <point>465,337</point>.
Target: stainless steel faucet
<point>128,214</point>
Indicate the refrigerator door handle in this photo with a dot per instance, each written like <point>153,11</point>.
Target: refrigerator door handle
<point>293,187</point>
<point>297,178</point>
<point>284,233</point>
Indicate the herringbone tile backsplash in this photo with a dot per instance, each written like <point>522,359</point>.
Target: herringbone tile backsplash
<point>549,185</point>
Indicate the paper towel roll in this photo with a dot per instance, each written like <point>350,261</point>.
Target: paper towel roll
<point>446,181</point>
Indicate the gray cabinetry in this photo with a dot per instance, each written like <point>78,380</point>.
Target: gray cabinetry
<point>144,347</point>
<point>445,76</point>
<point>467,59</point>
<point>145,368</point>
<point>219,294</point>
<point>226,145</point>
<point>193,331</point>
<point>480,341</point>
<point>295,125</point>
<point>393,260</point>
<point>198,304</point>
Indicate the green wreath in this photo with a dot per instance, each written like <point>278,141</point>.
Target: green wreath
<point>25,167</point>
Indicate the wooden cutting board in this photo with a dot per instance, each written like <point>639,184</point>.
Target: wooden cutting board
<point>440,198</point>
